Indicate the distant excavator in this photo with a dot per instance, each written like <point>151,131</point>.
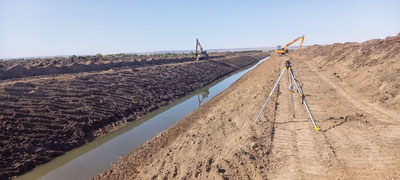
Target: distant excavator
<point>200,54</point>
<point>283,51</point>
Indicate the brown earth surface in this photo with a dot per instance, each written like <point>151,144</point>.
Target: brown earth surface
<point>371,68</point>
<point>42,117</point>
<point>77,64</point>
<point>359,136</point>
<point>17,68</point>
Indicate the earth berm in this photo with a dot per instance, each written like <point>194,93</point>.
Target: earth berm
<point>359,136</point>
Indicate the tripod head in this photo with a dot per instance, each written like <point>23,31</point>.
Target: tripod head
<point>287,64</point>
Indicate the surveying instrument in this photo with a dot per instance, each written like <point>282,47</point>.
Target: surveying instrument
<point>291,78</point>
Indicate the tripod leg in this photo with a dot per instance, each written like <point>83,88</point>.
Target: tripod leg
<point>290,88</point>
<point>270,94</point>
<point>300,90</point>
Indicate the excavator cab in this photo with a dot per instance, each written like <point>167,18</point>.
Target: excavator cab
<point>203,54</point>
<point>279,49</point>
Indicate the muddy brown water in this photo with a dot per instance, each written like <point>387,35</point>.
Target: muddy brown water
<point>89,160</point>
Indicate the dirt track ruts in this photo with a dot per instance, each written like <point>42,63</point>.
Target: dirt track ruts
<point>357,141</point>
<point>220,140</point>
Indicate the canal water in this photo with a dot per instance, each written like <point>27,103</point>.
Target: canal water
<point>89,160</point>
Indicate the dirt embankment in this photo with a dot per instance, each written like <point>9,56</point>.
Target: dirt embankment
<point>48,67</point>
<point>218,140</point>
<point>77,64</point>
<point>371,68</point>
<point>358,139</point>
<point>43,117</point>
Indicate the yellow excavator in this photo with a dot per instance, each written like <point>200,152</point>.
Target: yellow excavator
<point>283,51</point>
<point>200,54</point>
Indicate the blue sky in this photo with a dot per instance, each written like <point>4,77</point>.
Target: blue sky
<point>48,27</point>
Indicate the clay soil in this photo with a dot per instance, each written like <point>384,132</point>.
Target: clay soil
<point>346,86</point>
<point>44,116</point>
<point>75,64</point>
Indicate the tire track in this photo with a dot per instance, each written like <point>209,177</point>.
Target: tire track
<point>355,141</point>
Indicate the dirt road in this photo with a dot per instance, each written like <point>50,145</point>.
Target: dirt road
<point>358,140</point>
<point>221,140</point>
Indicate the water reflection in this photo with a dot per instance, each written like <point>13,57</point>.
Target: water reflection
<point>97,156</point>
<point>202,96</point>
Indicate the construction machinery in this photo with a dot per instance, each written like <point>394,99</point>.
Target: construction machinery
<point>200,54</point>
<point>283,51</point>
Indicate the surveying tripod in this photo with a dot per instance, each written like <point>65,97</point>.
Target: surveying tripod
<point>291,78</point>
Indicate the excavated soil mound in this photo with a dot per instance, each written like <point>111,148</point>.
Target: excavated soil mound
<point>358,139</point>
<point>48,67</point>
<point>372,68</point>
<point>43,117</point>
<point>220,140</point>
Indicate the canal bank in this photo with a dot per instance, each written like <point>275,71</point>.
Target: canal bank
<point>95,157</point>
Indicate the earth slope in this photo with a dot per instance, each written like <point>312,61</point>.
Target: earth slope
<point>346,86</point>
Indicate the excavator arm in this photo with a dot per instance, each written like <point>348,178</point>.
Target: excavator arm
<point>200,53</point>
<point>301,44</point>
<point>284,50</point>
<point>198,45</point>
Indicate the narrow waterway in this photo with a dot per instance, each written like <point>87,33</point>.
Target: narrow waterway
<point>89,160</point>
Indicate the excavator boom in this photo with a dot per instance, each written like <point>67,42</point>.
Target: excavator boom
<point>198,45</point>
<point>200,54</point>
<point>285,50</point>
